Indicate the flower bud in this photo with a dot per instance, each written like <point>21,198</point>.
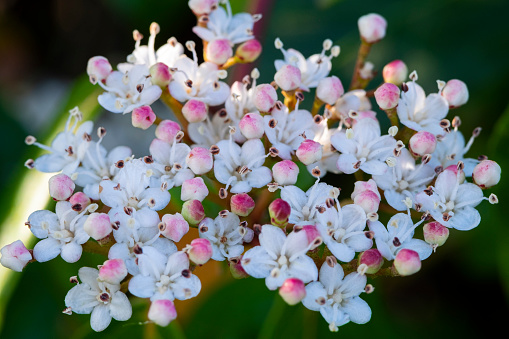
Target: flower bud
<point>249,51</point>
<point>200,7</point>
<point>199,251</point>
<point>309,152</point>
<point>167,130</point>
<point>236,268</point>
<point>80,198</point>
<point>285,172</point>
<point>372,27</point>
<point>113,271</point>
<point>292,291</point>
<point>361,186</point>
<point>98,69</point>
<point>15,256</point>
<point>372,259</point>
<point>329,90</point>
<point>61,187</point>
<point>279,211</point>
<point>395,72</point>
<point>193,212</point>
<point>455,92</point>
<point>218,51</point>
<point>407,262</point>
<point>242,204</point>
<point>435,233</point>
<point>264,97</point>
<point>143,117</point>
<point>251,126</point>
<point>162,312</point>
<point>312,234</point>
<point>195,110</point>
<point>422,143</point>
<point>194,189</point>
<point>160,74</point>
<point>368,200</point>
<point>173,226</point>
<point>387,96</point>
<point>200,160</point>
<point>486,174</point>
<point>98,226</point>
<point>288,78</point>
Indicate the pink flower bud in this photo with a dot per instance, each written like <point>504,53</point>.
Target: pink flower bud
<point>218,51</point>
<point>167,130</point>
<point>98,226</point>
<point>285,172</point>
<point>98,69</point>
<point>407,262</point>
<point>387,96</point>
<point>160,74</point>
<point>195,110</point>
<point>80,198</point>
<point>372,27</point>
<point>292,291</point>
<point>193,212</point>
<point>113,271</point>
<point>15,256</point>
<point>456,93</point>
<point>288,78</point>
<point>251,126</point>
<point>422,143</point>
<point>242,204</point>
<point>173,226</point>
<point>162,312</point>
<point>361,186</point>
<point>194,189</point>
<point>249,51</point>
<point>143,117</point>
<point>486,174</point>
<point>309,152</point>
<point>329,90</point>
<point>236,268</point>
<point>199,251</point>
<point>200,7</point>
<point>395,72</point>
<point>312,234</point>
<point>200,160</point>
<point>264,97</point>
<point>373,259</point>
<point>368,200</point>
<point>61,187</point>
<point>435,233</point>
<point>279,211</point>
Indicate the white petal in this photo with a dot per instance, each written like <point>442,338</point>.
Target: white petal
<point>272,239</point>
<point>47,249</point>
<point>71,252</point>
<point>358,310</point>
<point>142,286</point>
<point>120,307</point>
<point>100,318</point>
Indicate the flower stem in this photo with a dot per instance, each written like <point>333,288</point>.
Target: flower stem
<point>273,317</point>
<point>357,81</point>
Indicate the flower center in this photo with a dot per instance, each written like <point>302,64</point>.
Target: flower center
<point>403,184</point>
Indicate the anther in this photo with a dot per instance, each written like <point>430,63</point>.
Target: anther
<point>148,159</point>
<point>445,123</point>
<point>73,280</point>
<point>223,193</point>
<point>396,242</point>
<point>272,123</point>
<point>120,164</point>
<point>318,119</point>
<point>137,249</point>
<point>214,150</point>
<point>331,261</point>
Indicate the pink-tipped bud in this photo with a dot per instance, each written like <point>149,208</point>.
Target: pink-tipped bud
<point>242,204</point>
<point>387,96</point>
<point>251,126</point>
<point>329,90</point>
<point>200,160</point>
<point>422,143</point>
<point>454,169</point>
<point>264,97</point>
<point>61,187</point>
<point>162,312</point>
<point>113,271</point>
<point>279,211</point>
<point>486,174</point>
<point>372,27</point>
<point>361,186</point>
<point>218,51</point>
<point>160,74</point>
<point>435,233</point>
<point>236,268</point>
<point>312,234</point>
<point>309,152</point>
<point>98,226</point>
<point>193,212</point>
<point>173,226</point>
<point>395,72</point>
<point>199,251</point>
<point>81,199</point>
<point>455,92</point>
<point>288,78</point>
<point>98,69</point>
<point>292,291</point>
<point>167,130</point>
<point>368,200</point>
<point>195,110</point>
<point>143,117</point>
<point>285,172</point>
<point>372,259</point>
<point>194,189</point>
<point>407,262</point>
<point>249,51</point>
<point>15,256</point>
<point>201,7</point>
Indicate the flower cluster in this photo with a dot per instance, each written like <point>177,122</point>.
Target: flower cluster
<point>248,148</point>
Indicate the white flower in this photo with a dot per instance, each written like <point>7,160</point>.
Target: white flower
<point>225,234</point>
<point>280,257</point>
<point>170,163</point>
<point>329,155</point>
<point>240,100</point>
<point>452,149</point>
<point>355,100</point>
<point>210,131</point>
<point>305,204</point>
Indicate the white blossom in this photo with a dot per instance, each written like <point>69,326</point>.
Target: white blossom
<point>305,205</point>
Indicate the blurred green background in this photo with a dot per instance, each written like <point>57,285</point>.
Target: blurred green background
<point>462,290</point>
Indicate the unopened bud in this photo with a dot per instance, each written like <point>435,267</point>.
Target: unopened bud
<point>160,74</point>
<point>199,251</point>
<point>372,27</point>
<point>195,110</point>
<point>61,187</point>
<point>113,271</point>
<point>395,72</point>
<point>329,90</point>
<point>435,234</point>
<point>193,212</point>
<point>218,51</point>
<point>200,160</point>
<point>251,126</point>
<point>98,69</point>
<point>249,51</point>
<point>194,188</point>
<point>143,117</point>
<point>422,143</point>
<point>372,259</point>
<point>15,256</point>
<point>288,77</point>
<point>309,152</point>
<point>166,130</point>
<point>80,198</point>
<point>162,312</point>
<point>98,226</point>
<point>279,211</point>
<point>264,97</point>
<point>486,174</point>
<point>285,172</point>
<point>292,291</point>
<point>456,93</point>
<point>368,200</point>
<point>407,262</point>
<point>242,204</point>
<point>236,268</point>
<point>173,226</point>
<point>387,96</point>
